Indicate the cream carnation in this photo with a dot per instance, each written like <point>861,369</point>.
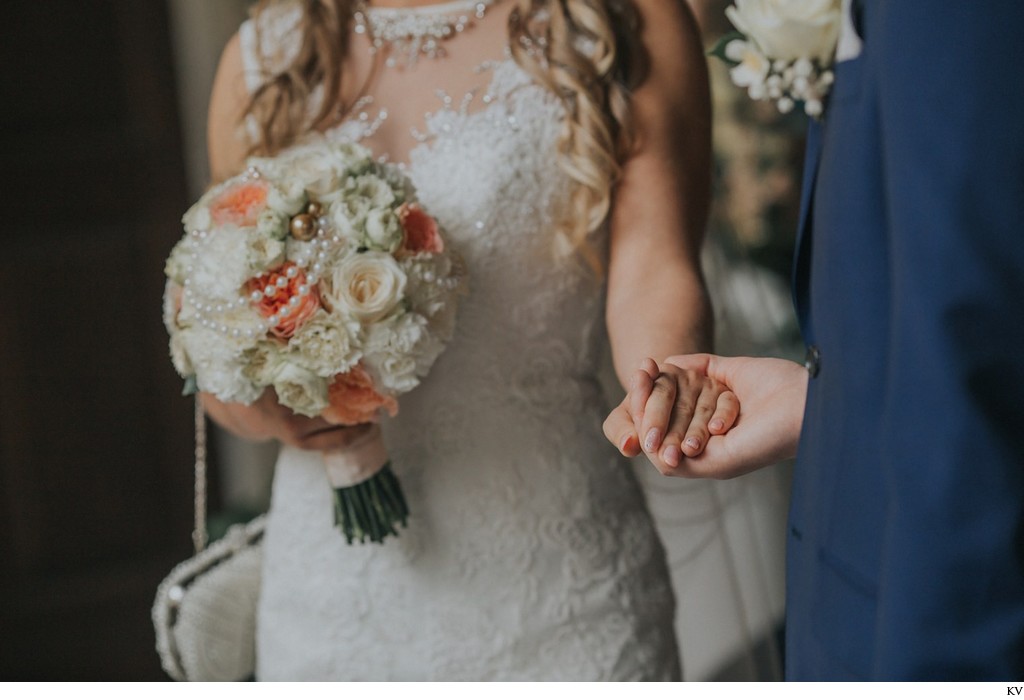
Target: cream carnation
<point>395,349</point>
<point>263,251</point>
<point>328,344</point>
<point>263,361</point>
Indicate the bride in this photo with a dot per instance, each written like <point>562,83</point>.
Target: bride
<point>564,146</point>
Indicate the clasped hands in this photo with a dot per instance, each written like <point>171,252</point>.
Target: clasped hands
<point>705,416</point>
<point>698,416</point>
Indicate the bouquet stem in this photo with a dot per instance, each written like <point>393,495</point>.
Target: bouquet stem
<point>368,500</point>
<point>371,509</point>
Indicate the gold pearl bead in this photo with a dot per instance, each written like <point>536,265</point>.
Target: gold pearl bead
<point>302,227</point>
<point>315,209</point>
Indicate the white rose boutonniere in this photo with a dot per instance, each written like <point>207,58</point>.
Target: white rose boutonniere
<point>783,50</point>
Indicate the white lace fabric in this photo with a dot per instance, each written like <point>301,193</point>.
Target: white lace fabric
<point>530,554</point>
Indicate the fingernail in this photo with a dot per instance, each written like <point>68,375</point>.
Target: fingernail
<point>717,424</point>
<point>672,456</point>
<point>651,441</point>
<point>693,443</point>
<point>624,443</point>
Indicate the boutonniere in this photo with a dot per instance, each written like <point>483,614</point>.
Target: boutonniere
<point>783,50</point>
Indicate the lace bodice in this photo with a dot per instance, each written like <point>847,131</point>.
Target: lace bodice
<point>529,554</point>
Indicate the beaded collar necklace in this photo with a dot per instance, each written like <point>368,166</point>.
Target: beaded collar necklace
<point>411,33</point>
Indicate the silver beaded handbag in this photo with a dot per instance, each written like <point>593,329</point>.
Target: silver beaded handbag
<point>205,610</point>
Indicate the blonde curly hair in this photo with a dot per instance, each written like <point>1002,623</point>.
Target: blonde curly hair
<point>586,52</point>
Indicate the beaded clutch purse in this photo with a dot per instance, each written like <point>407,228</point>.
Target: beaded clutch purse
<point>205,610</point>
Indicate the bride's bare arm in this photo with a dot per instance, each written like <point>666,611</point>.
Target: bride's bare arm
<point>657,301</point>
<point>226,144</point>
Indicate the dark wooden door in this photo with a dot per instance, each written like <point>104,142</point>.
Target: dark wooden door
<point>95,439</point>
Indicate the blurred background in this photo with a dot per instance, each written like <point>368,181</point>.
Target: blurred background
<point>103,146</point>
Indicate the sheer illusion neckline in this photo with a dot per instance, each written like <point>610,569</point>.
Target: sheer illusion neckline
<point>453,115</point>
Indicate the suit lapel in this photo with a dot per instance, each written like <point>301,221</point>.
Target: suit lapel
<point>802,258</point>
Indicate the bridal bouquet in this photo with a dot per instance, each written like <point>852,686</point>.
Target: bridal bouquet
<point>783,50</point>
<point>317,274</point>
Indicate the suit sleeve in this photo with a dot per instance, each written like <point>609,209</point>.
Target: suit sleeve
<point>951,114</point>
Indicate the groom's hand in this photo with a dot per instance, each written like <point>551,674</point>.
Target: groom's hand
<point>676,410</point>
<point>771,395</point>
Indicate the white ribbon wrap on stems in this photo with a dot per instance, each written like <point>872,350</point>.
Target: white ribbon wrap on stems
<point>358,462</point>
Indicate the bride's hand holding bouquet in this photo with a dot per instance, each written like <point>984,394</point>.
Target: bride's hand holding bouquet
<point>308,293</point>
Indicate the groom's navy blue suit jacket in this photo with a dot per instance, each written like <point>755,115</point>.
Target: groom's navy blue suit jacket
<point>906,541</point>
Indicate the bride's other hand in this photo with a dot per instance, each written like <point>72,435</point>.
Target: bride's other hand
<point>674,412</point>
<point>683,409</point>
<point>771,394</point>
<point>657,304</point>
<point>266,419</point>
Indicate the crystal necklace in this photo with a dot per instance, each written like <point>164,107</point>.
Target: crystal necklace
<point>410,33</point>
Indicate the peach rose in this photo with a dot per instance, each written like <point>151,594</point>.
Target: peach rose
<point>421,231</point>
<point>276,305</point>
<point>354,400</point>
<point>240,205</point>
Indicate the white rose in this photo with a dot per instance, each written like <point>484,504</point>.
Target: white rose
<point>348,214</point>
<point>383,230</point>
<point>312,166</point>
<point>318,173</point>
<point>368,285</point>
<point>790,29</point>
<point>286,199</point>
<point>301,390</point>
<point>375,189</point>
<point>327,344</point>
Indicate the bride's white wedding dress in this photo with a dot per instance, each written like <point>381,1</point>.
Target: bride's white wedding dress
<point>530,553</point>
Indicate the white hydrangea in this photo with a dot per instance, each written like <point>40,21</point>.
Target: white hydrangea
<point>223,263</point>
<point>218,362</point>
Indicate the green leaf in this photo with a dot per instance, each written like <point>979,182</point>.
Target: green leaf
<point>718,51</point>
<point>191,387</point>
